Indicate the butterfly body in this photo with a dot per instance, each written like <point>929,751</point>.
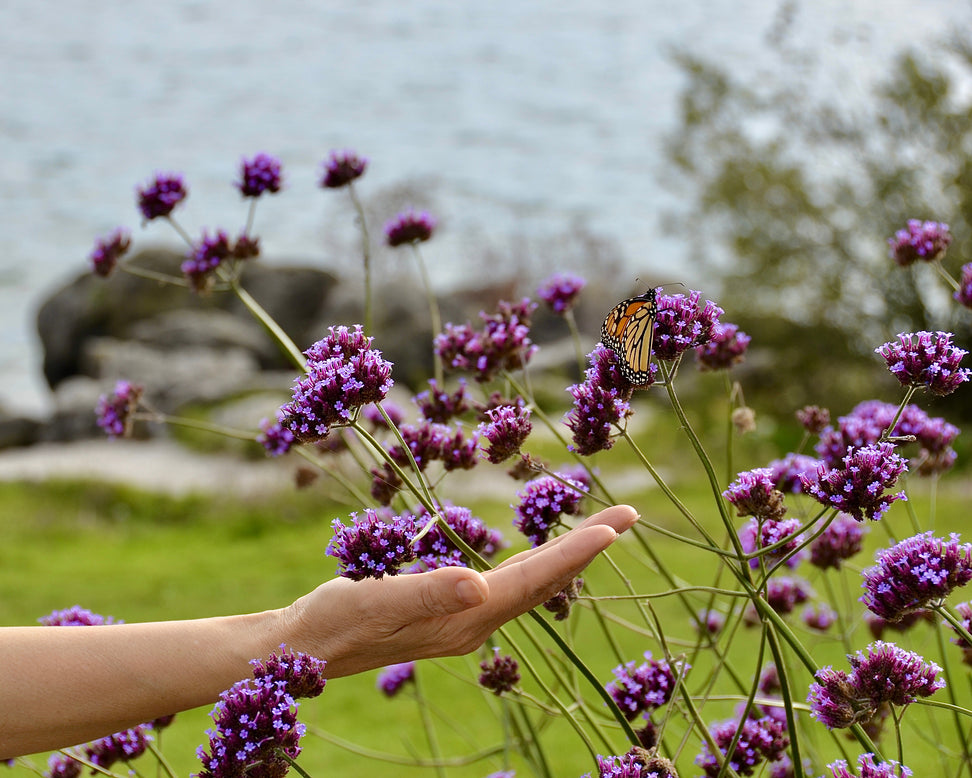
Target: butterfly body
<point>627,331</point>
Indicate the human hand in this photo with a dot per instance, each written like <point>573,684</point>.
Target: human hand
<point>361,625</point>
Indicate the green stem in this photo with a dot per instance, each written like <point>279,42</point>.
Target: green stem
<point>575,336</point>
<point>365,256</point>
<point>282,338</point>
<point>433,310</point>
<point>943,650</point>
<point>429,726</point>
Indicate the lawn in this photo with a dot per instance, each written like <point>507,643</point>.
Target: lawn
<point>139,556</point>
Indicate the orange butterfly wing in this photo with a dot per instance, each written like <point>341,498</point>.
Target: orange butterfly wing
<point>627,331</point>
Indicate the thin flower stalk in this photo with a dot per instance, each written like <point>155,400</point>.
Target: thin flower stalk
<point>428,725</point>
<point>950,690</point>
<point>433,303</point>
<point>261,315</point>
<point>365,258</point>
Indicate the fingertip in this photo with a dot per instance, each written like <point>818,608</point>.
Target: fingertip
<point>618,517</point>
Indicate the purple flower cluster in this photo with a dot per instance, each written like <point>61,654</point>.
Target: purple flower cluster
<point>410,227</point>
<point>641,688</point>
<point>819,616</point>
<point>343,373</point>
<point>963,294</point>
<point>560,604</point>
<point>813,418</point>
<point>560,291</point>
<point>256,730</point>
<point>841,540</point>
<point>500,674</point>
<point>108,250</point>
<point>505,432</point>
<point>76,616</point>
<point>341,168</point>
<point>916,573</point>
<point>258,175</point>
<point>637,763</point>
<point>881,673</point>
<point>756,534</point>
<point>503,344</point>
<point>116,412</point>
<point>925,241</point>
<point>434,549</point>
<point>601,403</point>
<point>760,740</point>
<point>436,442</point>
<point>438,405</point>
<point>682,323</point>
<point>203,259</point>
<point>727,347</point>
<point>541,504</point>
<point>374,545</point>
<point>784,593</point>
<point>391,679</point>
<point>275,438</point>
<point>859,487</point>
<point>788,471</point>
<point>711,621</point>
<point>868,768</point>
<point>754,493</point>
<point>161,195</point>
<point>926,359</point>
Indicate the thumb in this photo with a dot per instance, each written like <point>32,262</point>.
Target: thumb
<point>441,592</point>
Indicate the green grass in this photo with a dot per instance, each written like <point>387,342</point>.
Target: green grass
<point>139,556</point>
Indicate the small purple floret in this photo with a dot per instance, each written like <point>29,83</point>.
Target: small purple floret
<point>926,359</point>
<point>868,768</point>
<point>258,175</point>
<point>391,679</point>
<point>726,348</point>
<point>541,504</point>
<point>683,323</point>
<point>925,241</point>
<point>505,432</point>
<point>341,168</point>
<point>560,291</point>
<point>108,250</point>
<point>409,226</point>
<point>160,196</point>
<point>116,412</point>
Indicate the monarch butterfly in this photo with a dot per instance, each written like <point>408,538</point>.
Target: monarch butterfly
<point>627,331</point>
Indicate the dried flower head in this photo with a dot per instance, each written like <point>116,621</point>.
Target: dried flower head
<point>161,195</point>
<point>410,227</point>
<point>116,412</point>
<point>925,241</point>
<point>500,674</point>
<point>560,604</point>
<point>926,359</point>
<point>108,250</point>
<point>560,291</point>
<point>258,175</point>
<point>859,487</point>
<point>916,573</point>
<point>341,168</point>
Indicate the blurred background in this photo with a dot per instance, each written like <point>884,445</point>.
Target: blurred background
<point>705,144</point>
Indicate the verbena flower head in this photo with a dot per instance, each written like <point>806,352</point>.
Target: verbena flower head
<point>343,374</point>
<point>302,674</point>
<point>560,604</point>
<point>76,616</point>
<point>841,540</point>
<point>859,487</point>
<point>409,226</point>
<point>754,493</point>
<point>963,294</point>
<point>256,730</point>
<point>121,746</point>
<point>541,504</point>
<point>203,259</point>
<point>341,168</point>
<point>116,412</point>
<point>437,405</point>
<point>258,175</point>
<point>925,241</point>
<point>813,418</point>
<point>161,195</point>
<point>710,621</point>
<point>600,404</point>
<point>788,471</point>
<point>916,573</point>
<point>429,442</point>
<point>434,549</point>
<point>784,593</point>
<point>391,679</point>
<point>372,546</point>
<point>884,672</point>
<point>683,323</point>
<point>756,534</point>
<point>500,674</point>
<point>108,250</point>
<point>819,616</point>
<point>834,701</point>
<point>275,438</point>
<point>641,688</point>
<point>926,360</point>
<point>727,347</point>
<point>761,740</point>
<point>637,763</point>
<point>505,432</point>
<point>560,291</point>
<point>868,768</point>
<point>503,344</point>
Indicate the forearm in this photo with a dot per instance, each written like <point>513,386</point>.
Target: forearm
<point>60,686</point>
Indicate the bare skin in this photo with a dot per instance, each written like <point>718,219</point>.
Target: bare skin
<point>63,685</point>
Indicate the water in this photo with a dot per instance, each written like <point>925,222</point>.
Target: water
<point>527,116</point>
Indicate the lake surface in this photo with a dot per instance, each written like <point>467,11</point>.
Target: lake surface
<point>522,117</point>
